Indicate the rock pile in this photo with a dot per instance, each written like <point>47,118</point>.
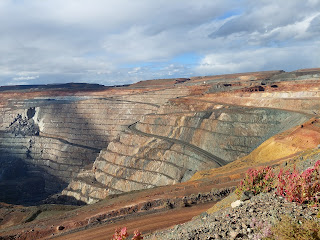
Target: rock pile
<point>24,126</point>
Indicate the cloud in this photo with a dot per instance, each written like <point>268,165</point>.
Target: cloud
<point>268,58</point>
<point>265,16</point>
<point>122,41</point>
<point>268,35</point>
<point>314,27</point>
<point>25,78</point>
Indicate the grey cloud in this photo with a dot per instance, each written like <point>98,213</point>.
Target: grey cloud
<point>70,37</point>
<point>315,25</point>
<point>95,40</point>
<point>266,16</point>
<point>267,58</point>
<point>236,25</point>
<point>26,78</point>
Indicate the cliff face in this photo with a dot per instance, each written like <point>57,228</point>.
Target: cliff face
<point>228,132</point>
<point>161,149</point>
<point>187,133</point>
<point>154,133</point>
<point>135,162</point>
<point>57,138</point>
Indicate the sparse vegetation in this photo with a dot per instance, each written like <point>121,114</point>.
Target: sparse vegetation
<point>257,181</point>
<point>263,230</point>
<point>293,229</point>
<point>294,186</point>
<point>122,234</point>
<point>302,188</point>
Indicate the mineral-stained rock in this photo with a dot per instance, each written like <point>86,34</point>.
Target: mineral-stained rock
<point>227,132</point>
<point>84,143</point>
<point>134,162</point>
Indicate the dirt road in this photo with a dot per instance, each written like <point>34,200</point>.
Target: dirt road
<point>145,224</point>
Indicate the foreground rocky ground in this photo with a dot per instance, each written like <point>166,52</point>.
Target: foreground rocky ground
<point>252,217</point>
<point>239,222</point>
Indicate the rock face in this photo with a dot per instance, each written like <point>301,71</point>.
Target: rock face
<point>228,132</point>
<point>135,162</point>
<point>56,139</point>
<point>163,152</point>
<point>91,145</point>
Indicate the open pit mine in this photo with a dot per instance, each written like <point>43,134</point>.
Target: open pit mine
<point>78,160</point>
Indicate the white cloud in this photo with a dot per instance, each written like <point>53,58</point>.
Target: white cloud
<point>95,40</point>
<point>268,58</point>
<point>25,78</point>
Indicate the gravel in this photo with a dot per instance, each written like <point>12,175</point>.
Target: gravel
<point>238,223</point>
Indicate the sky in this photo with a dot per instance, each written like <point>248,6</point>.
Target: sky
<point>114,42</point>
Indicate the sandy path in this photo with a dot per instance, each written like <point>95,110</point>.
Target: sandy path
<point>145,224</point>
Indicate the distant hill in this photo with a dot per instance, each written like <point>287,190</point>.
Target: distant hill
<point>65,86</point>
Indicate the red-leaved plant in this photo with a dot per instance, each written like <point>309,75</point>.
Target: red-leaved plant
<point>122,234</point>
<point>301,188</point>
<point>137,235</point>
<point>294,186</point>
<point>256,181</point>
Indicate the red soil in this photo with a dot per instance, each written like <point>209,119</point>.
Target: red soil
<point>145,224</point>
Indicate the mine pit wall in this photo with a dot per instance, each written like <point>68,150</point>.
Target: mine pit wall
<point>44,155</point>
<point>296,91</point>
<point>69,136</point>
<point>228,133</point>
<point>135,162</point>
<point>93,123</point>
<point>302,101</point>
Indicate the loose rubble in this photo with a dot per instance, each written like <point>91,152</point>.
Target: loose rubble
<point>238,222</point>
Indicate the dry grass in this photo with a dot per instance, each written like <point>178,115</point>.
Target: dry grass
<point>290,229</point>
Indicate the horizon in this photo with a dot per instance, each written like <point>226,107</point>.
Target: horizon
<point>155,79</point>
<point>123,42</point>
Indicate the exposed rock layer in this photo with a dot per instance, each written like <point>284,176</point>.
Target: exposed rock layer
<point>59,138</point>
<point>161,150</point>
<point>83,140</point>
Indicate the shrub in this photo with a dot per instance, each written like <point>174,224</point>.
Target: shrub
<point>300,188</point>
<point>122,234</point>
<point>262,230</point>
<point>256,181</point>
<point>137,235</point>
<point>290,229</point>
<point>294,186</point>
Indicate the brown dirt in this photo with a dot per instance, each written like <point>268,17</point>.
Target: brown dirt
<point>238,76</point>
<point>82,217</point>
<point>145,224</point>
